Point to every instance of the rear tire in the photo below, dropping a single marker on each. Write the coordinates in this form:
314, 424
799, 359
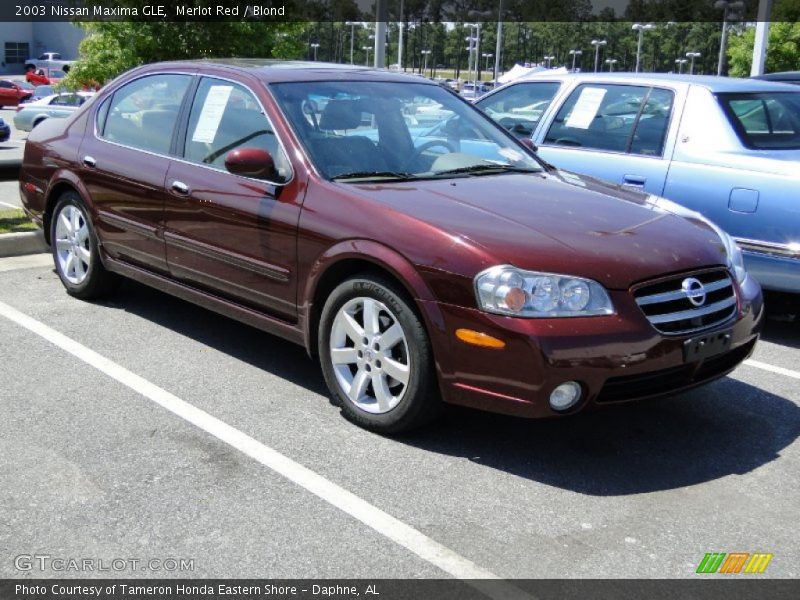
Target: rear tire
376, 357
75, 250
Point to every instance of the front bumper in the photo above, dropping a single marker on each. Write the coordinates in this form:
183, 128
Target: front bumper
615, 358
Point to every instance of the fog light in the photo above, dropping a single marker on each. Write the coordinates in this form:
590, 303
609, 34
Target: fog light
565, 396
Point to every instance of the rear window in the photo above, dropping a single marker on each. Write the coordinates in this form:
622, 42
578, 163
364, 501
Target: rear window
765, 120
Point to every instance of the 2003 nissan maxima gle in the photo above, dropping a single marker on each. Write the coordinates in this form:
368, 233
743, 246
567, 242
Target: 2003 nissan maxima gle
308, 201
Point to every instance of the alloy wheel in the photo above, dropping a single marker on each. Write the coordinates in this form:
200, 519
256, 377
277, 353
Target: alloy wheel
73, 247
369, 354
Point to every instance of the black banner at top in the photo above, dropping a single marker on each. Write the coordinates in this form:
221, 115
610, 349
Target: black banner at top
454, 11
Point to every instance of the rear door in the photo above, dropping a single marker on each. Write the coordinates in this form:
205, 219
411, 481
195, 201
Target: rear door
616, 132
125, 162
232, 235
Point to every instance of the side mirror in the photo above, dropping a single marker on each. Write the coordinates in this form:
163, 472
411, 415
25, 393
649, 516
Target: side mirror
251, 162
528, 143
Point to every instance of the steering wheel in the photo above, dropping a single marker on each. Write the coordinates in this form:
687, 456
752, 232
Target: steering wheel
567, 141
427, 146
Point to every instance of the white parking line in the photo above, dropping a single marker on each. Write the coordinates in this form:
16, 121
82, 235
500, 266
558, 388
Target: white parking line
772, 369
10, 205
406, 536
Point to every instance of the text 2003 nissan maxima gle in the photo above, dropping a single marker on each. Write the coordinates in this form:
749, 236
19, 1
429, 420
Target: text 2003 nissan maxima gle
308, 201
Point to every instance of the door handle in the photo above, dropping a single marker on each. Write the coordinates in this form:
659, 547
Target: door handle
634, 180
89, 161
180, 188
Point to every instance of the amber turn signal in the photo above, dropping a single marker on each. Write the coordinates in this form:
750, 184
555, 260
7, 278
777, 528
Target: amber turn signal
476, 338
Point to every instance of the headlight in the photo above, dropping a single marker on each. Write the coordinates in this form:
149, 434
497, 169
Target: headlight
507, 290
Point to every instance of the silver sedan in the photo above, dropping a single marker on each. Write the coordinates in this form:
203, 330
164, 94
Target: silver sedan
55, 106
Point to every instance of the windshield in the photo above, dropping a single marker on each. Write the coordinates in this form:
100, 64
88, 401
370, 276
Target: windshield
765, 120
357, 130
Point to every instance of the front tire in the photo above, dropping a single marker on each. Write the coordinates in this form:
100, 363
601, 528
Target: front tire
376, 357
75, 250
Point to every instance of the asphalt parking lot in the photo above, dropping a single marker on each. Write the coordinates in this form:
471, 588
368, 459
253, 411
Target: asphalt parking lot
142, 427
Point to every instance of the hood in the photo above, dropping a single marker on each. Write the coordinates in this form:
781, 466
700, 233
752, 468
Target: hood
559, 222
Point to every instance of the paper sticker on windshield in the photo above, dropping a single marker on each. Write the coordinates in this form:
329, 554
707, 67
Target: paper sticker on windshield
585, 109
211, 115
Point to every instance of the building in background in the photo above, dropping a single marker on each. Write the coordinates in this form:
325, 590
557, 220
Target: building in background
20, 41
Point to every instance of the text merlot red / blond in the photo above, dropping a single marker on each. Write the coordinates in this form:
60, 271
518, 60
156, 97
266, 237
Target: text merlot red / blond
55, 10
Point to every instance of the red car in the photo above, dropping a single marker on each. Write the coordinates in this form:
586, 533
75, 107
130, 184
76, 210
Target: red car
421, 264
12, 93
44, 76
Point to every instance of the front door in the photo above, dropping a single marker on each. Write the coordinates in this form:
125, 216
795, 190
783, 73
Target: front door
234, 236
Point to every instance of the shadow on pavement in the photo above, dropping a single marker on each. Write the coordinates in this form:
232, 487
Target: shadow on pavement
726, 428
782, 325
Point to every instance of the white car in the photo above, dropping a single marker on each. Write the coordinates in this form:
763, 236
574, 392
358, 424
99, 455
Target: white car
55, 106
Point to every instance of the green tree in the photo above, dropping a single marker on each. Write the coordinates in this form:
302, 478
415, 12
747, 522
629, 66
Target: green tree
783, 49
111, 48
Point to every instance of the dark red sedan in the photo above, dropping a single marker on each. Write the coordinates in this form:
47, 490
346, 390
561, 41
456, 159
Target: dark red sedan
393, 230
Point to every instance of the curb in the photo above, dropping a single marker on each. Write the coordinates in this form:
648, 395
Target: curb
18, 244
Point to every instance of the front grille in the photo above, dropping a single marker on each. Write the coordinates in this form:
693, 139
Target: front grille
656, 383
668, 307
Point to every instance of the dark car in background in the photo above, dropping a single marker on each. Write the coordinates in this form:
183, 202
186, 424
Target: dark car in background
294, 197
5, 130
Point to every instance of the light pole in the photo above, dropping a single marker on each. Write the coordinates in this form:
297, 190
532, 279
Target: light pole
367, 48
487, 56
499, 45
597, 44
729, 9
400, 39
352, 25
474, 40
641, 29
611, 62
691, 56
549, 60
315, 46
680, 62
425, 53
575, 54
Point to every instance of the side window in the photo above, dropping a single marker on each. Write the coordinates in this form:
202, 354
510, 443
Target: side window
143, 113
651, 130
67, 100
226, 116
601, 117
518, 108
6, 84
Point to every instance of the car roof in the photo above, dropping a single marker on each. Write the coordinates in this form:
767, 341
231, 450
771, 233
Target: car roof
783, 76
274, 70
711, 82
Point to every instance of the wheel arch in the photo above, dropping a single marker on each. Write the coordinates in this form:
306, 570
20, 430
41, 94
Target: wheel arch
61, 183
351, 257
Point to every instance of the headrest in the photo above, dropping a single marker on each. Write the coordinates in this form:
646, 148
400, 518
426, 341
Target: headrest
341, 114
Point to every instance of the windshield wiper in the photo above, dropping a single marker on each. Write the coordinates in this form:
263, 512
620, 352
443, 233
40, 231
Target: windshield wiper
375, 175
486, 169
